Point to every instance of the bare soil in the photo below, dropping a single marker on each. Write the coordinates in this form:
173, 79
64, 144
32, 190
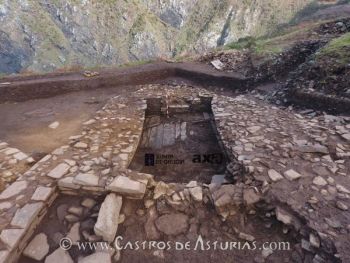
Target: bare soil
25, 125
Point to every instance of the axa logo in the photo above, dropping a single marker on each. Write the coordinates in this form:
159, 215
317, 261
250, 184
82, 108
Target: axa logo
216, 158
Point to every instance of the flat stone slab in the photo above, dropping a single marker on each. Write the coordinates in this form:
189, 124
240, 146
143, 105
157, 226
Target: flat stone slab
87, 179
107, 221
13, 189
42, 193
81, 145
68, 183
59, 256
11, 151
20, 156
37, 248
26, 214
59, 171
97, 257
124, 185
11, 237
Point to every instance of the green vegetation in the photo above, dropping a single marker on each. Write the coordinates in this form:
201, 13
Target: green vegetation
136, 63
275, 42
260, 46
338, 48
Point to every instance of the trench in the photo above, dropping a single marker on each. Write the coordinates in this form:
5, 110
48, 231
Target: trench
179, 141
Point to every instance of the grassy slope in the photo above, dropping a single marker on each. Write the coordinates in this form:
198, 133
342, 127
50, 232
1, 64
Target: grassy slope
338, 49
285, 36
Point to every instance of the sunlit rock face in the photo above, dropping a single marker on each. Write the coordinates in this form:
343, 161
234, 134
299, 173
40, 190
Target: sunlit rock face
46, 35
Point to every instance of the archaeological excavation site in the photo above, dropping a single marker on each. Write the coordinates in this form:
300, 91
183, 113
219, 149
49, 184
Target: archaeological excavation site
175, 131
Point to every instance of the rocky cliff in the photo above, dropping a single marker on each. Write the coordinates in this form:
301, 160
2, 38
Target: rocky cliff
43, 35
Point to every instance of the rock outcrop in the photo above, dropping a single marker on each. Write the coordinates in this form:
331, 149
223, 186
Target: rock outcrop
46, 35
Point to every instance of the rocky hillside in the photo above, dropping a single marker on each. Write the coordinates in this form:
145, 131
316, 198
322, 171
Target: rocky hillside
43, 35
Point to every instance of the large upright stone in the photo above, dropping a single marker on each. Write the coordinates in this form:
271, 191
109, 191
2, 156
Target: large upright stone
107, 221
26, 214
37, 248
124, 185
59, 171
13, 189
59, 256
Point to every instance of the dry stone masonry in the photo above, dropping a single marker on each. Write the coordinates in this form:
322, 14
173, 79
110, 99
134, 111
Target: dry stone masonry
289, 169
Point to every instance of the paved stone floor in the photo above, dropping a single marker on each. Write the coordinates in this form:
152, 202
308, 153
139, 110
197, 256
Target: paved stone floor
294, 182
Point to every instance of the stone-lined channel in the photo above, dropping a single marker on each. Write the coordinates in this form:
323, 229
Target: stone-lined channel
180, 142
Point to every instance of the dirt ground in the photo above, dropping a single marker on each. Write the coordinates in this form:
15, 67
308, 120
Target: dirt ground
25, 125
